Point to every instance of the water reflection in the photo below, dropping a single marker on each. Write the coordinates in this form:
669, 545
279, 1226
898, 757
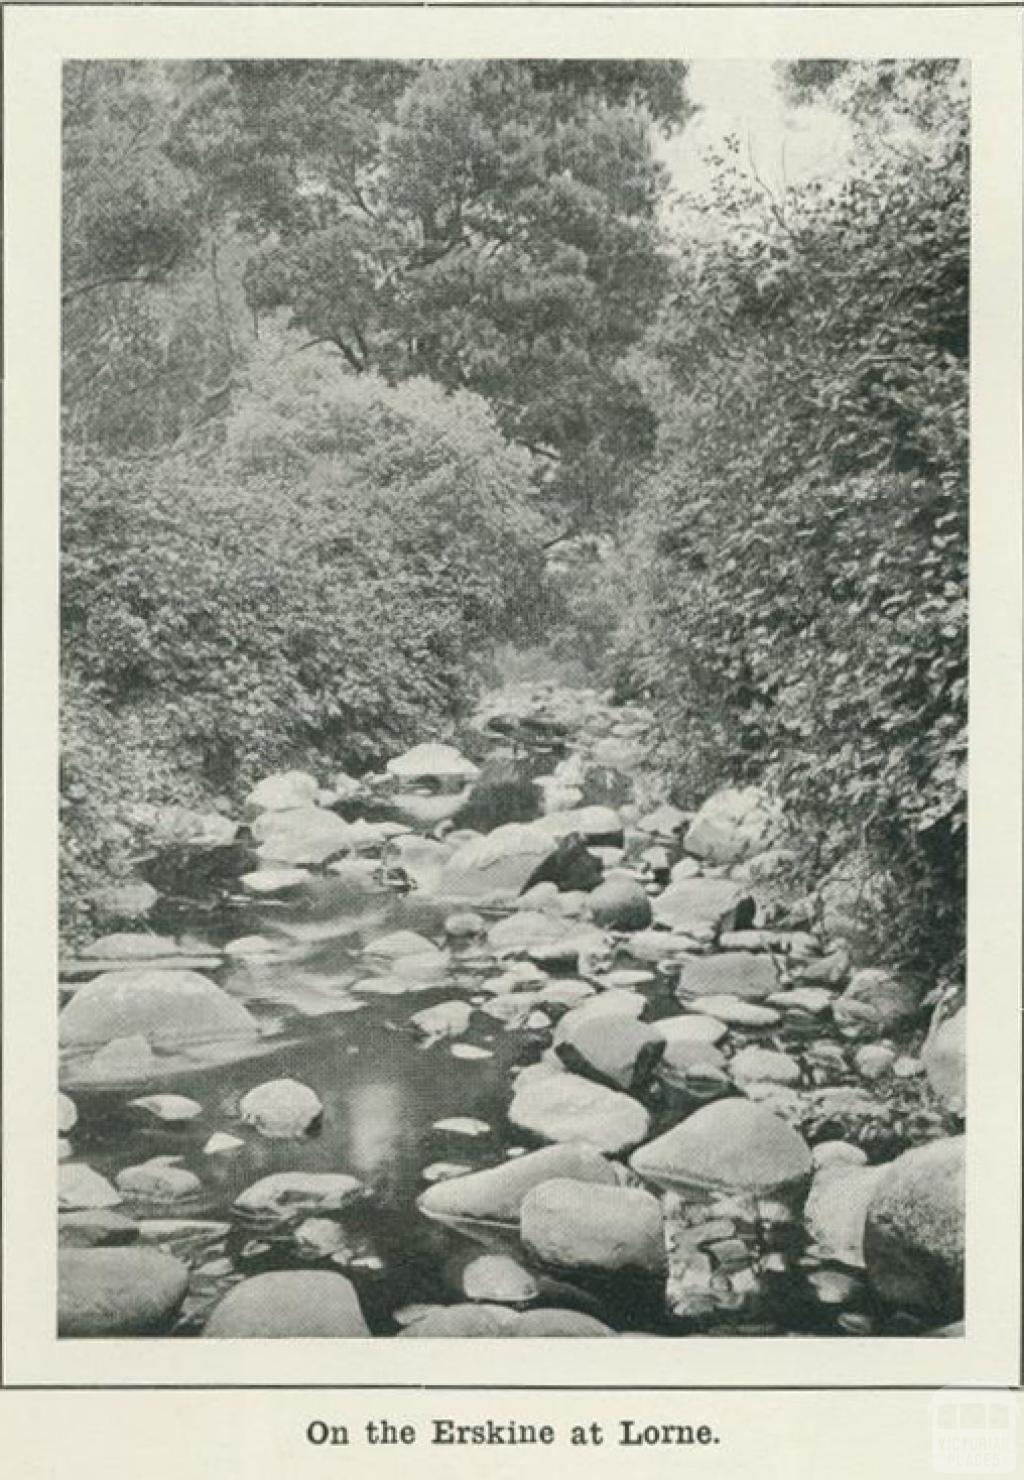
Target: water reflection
377, 1124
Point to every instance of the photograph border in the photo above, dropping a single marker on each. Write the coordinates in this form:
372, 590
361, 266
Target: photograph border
22, 667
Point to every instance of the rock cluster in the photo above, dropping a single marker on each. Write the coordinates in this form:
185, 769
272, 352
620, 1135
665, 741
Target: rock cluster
668, 1077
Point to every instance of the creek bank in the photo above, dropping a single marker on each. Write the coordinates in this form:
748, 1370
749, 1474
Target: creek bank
478, 1025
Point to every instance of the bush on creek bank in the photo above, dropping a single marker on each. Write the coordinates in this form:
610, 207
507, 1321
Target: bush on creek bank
320, 590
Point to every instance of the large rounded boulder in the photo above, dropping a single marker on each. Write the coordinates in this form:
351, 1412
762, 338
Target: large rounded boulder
914, 1232
945, 1062
286, 1303
732, 826
172, 1010
731, 1145
495, 1194
566, 1107
569, 1226
118, 1291
620, 904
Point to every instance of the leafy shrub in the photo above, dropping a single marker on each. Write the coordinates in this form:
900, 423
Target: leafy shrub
805, 619
320, 595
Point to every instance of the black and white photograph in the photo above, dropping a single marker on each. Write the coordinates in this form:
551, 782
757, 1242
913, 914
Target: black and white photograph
513, 698
512, 740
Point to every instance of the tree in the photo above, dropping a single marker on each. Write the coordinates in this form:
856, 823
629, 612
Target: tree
492, 226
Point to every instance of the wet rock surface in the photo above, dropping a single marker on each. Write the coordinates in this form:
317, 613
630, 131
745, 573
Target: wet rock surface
500, 1043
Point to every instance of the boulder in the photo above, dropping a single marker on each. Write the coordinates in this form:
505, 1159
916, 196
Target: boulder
160, 1179
566, 1107
569, 1226
945, 1062
829, 1155
740, 974
267, 882
684, 1056
281, 1109
182, 828
875, 1002
402, 943
169, 1009
810, 1001
690, 1027
729, 1145
524, 930
836, 1210
737, 1014
733, 825
172, 1109
79, 1186
831, 970
620, 904
495, 1194
914, 1232
123, 901
874, 1061
121, 1060
701, 907
615, 1002
444, 1019
500, 865
613, 1050
433, 762
126, 945
289, 1196
764, 1066
118, 1291
464, 925
283, 791
221, 1143
498, 1279
289, 1303
305, 837
653, 946
96, 1229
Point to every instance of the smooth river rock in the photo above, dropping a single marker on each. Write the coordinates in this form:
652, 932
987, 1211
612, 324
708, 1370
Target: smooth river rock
945, 1062
740, 974
281, 1109
118, 1291
296, 1303
620, 904
170, 1009
729, 1145
616, 1051
566, 1107
569, 1226
914, 1232
733, 825
495, 1194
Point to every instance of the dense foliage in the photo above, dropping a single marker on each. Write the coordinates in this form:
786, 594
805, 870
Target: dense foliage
369, 366
805, 621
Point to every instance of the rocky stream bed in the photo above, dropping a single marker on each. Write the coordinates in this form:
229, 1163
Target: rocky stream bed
502, 1046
